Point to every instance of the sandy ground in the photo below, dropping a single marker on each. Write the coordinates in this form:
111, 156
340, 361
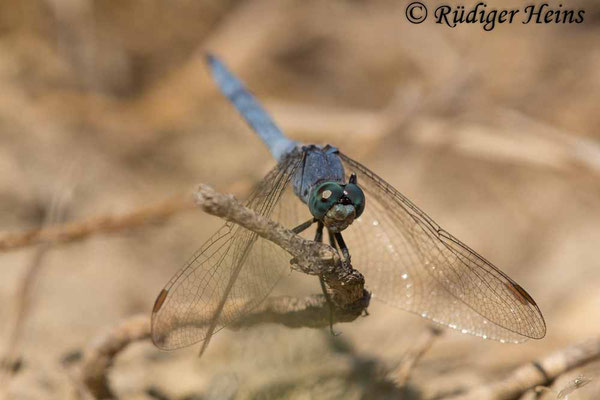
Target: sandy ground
106, 107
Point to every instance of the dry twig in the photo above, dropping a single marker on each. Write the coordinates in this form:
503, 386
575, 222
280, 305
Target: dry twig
345, 283
402, 372
100, 355
103, 224
54, 213
536, 373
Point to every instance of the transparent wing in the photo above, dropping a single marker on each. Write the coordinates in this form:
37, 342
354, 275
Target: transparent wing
410, 262
231, 273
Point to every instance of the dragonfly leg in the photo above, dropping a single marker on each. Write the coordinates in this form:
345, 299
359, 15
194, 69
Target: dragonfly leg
319, 233
343, 247
319, 238
346, 253
303, 226
332, 242
328, 298
299, 229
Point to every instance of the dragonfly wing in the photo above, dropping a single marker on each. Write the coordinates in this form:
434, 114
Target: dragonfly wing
230, 274
410, 262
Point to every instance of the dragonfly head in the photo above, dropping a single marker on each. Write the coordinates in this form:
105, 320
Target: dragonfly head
336, 204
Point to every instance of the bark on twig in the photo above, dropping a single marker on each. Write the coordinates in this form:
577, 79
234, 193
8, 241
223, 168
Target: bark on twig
537, 373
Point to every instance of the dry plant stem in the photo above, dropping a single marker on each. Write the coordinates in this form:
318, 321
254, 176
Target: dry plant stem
530, 375
23, 294
54, 213
422, 346
82, 392
99, 356
345, 284
103, 224
529, 395
23, 299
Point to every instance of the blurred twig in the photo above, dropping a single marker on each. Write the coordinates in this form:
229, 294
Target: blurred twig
75, 36
548, 393
99, 356
536, 373
102, 224
11, 355
22, 297
402, 372
55, 213
576, 148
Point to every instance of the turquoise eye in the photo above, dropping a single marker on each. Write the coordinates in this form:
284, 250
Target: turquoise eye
324, 197
356, 196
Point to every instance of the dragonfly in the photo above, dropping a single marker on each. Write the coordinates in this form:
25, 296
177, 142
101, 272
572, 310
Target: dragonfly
407, 259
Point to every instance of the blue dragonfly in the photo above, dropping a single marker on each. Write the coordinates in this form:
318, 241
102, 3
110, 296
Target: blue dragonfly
408, 260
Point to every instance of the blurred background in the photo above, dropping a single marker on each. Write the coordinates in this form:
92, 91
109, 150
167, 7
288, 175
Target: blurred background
107, 107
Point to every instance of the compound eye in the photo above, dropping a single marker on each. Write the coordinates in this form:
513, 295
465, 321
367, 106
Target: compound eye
356, 196
324, 197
